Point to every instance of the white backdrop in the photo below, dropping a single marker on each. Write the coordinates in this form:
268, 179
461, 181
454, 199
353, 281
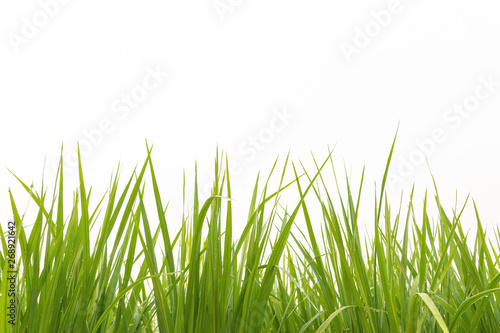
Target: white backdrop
256, 78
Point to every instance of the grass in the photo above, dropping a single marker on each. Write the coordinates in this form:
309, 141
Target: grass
138, 276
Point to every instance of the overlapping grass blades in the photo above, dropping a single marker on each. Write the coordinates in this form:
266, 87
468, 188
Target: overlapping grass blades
413, 275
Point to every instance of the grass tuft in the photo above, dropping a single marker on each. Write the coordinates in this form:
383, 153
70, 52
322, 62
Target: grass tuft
273, 277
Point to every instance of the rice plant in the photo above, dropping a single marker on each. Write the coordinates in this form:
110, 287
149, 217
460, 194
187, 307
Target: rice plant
410, 275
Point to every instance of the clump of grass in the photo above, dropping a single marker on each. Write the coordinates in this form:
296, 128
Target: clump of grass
210, 280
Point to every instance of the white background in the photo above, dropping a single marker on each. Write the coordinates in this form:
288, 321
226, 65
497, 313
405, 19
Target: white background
232, 65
